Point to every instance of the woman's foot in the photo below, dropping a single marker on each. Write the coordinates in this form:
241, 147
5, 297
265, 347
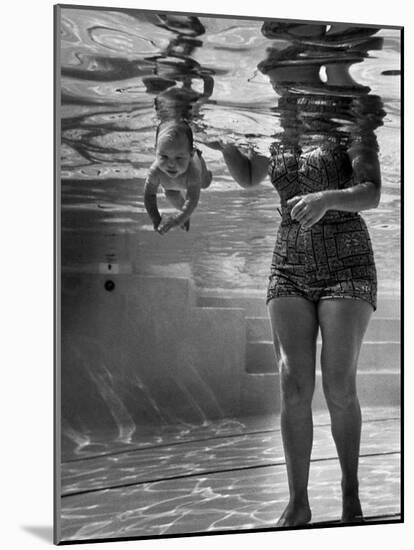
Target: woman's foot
351, 509
295, 515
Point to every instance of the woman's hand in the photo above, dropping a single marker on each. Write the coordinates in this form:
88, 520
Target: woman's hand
216, 144
308, 209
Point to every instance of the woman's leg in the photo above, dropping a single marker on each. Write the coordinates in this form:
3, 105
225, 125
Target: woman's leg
295, 328
343, 324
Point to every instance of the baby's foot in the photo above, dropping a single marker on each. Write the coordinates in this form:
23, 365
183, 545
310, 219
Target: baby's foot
186, 225
295, 515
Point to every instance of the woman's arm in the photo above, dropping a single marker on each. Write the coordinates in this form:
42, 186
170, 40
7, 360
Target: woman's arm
309, 209
362, 196
367, 192
247, 170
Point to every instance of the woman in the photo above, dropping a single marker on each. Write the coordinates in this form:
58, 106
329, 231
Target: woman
323, 273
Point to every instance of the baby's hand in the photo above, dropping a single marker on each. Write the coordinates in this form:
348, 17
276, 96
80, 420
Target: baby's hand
164, 227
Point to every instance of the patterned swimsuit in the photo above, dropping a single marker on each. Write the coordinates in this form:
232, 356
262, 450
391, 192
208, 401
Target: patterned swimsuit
333, 258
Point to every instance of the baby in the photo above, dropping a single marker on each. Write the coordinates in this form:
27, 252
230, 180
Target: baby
180, 170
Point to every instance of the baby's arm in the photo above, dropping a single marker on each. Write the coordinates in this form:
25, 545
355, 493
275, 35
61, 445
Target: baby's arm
150, 198
190, 203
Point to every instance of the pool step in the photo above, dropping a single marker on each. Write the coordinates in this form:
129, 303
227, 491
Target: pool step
261, 394
260, 357
255, 305
379, 364
379, 329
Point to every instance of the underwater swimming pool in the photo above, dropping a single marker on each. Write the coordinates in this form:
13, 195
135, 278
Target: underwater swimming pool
113, 66
169, 391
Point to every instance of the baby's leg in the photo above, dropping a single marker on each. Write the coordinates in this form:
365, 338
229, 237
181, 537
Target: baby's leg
206, 175
177, 200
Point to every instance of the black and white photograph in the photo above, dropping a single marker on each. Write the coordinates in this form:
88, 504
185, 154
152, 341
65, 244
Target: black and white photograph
228, 229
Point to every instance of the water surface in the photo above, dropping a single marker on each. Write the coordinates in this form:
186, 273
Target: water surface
113, 66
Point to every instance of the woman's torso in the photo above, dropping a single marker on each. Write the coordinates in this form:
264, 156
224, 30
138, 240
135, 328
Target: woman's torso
294, 171
338, 247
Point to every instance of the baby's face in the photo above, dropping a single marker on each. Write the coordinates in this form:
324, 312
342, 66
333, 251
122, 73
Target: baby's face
173, 156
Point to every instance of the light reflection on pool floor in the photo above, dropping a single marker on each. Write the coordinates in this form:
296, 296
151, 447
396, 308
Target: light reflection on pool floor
207, 481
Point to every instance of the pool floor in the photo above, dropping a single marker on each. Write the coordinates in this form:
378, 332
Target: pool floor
221, 478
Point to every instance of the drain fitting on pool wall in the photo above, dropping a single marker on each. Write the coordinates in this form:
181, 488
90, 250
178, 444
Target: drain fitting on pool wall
109, 285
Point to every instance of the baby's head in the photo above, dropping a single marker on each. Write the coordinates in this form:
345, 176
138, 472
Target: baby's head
174, 147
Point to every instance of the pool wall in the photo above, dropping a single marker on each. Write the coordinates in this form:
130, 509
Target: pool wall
144, 351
